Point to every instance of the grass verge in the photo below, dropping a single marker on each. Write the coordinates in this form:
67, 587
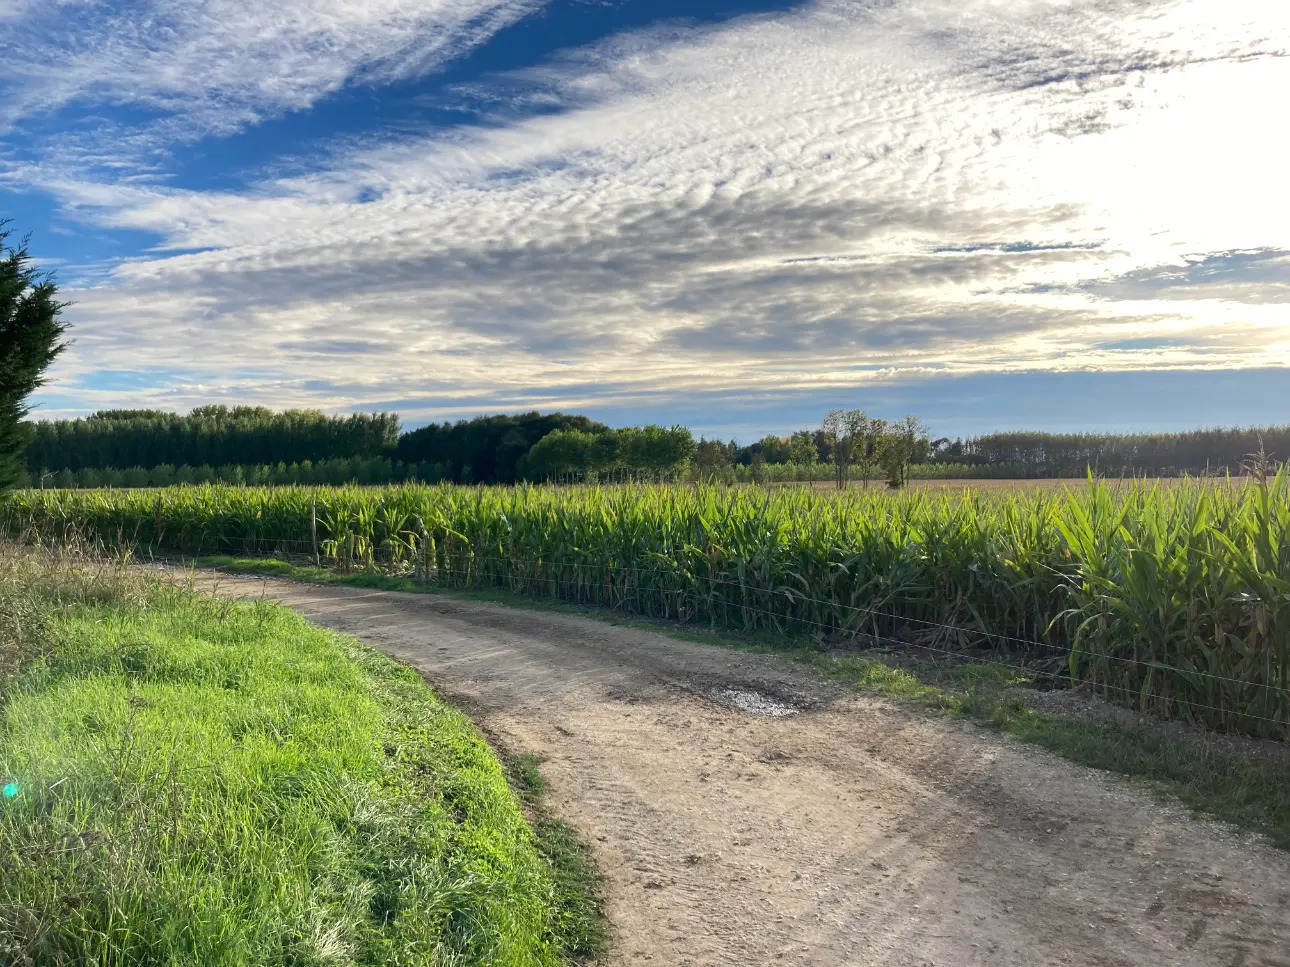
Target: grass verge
1242, 782
574, 875
192, 781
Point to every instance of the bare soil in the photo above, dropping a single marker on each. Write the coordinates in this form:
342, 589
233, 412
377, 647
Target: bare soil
851, 831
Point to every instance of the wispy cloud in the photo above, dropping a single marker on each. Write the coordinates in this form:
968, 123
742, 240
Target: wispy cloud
1255, 277
191, 68
812, 199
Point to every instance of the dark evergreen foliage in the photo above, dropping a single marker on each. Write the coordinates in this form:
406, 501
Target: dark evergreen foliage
31, 337
210, 435
487, 449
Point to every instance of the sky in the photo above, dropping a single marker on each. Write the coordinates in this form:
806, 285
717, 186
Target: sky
732, 214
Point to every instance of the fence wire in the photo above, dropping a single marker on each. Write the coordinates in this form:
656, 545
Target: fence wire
470, 561
1023, 671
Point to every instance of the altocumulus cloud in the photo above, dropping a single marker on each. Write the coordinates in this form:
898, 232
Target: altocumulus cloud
830, 195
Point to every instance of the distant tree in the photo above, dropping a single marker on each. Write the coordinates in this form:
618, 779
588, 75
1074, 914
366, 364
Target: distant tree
136, 414
870, 433
653, 450
31, 337
561, 453
606, 451
775, 449
209, 434
511, 448
904, 442
945, 450
487, 449
712, 460
656, 449
801, 448
1035, 454
844, 432
835, 437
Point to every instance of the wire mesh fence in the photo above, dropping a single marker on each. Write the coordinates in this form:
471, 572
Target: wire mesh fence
1177, 600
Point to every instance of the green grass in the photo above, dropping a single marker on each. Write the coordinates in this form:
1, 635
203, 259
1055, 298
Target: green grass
1216, 779
576, 880
275, 567
204, 782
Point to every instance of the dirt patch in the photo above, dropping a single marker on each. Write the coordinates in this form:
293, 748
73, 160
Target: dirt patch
850, 832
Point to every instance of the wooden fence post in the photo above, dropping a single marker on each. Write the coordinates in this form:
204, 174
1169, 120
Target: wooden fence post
313, 530
421, 565
159, 525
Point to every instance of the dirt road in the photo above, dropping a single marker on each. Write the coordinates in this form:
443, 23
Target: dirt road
848, 832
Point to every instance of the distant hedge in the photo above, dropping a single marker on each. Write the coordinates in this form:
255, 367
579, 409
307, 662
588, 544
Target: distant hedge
210, 435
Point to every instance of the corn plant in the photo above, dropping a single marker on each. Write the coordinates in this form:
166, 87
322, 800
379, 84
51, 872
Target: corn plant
1175, 598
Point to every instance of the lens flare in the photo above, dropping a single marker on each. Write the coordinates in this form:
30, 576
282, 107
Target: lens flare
11, 790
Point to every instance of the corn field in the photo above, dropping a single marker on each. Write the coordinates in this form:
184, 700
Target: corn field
1173, 599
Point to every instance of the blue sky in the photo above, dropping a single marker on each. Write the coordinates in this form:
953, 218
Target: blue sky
1036, 213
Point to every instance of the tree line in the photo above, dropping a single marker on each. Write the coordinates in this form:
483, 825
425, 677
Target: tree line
487, 449
209, 435
332, 473
649, 452
255, 445
1212, 450
851, 444
856, 446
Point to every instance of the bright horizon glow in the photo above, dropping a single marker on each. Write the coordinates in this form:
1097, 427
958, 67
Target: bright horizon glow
449, 208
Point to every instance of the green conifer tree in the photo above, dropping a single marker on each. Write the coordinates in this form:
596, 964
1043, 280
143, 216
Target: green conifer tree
30, 339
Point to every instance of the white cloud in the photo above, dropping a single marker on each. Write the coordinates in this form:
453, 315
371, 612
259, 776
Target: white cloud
215, 65
804, 200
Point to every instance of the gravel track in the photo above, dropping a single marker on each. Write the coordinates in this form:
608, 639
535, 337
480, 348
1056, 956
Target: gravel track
851, 831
